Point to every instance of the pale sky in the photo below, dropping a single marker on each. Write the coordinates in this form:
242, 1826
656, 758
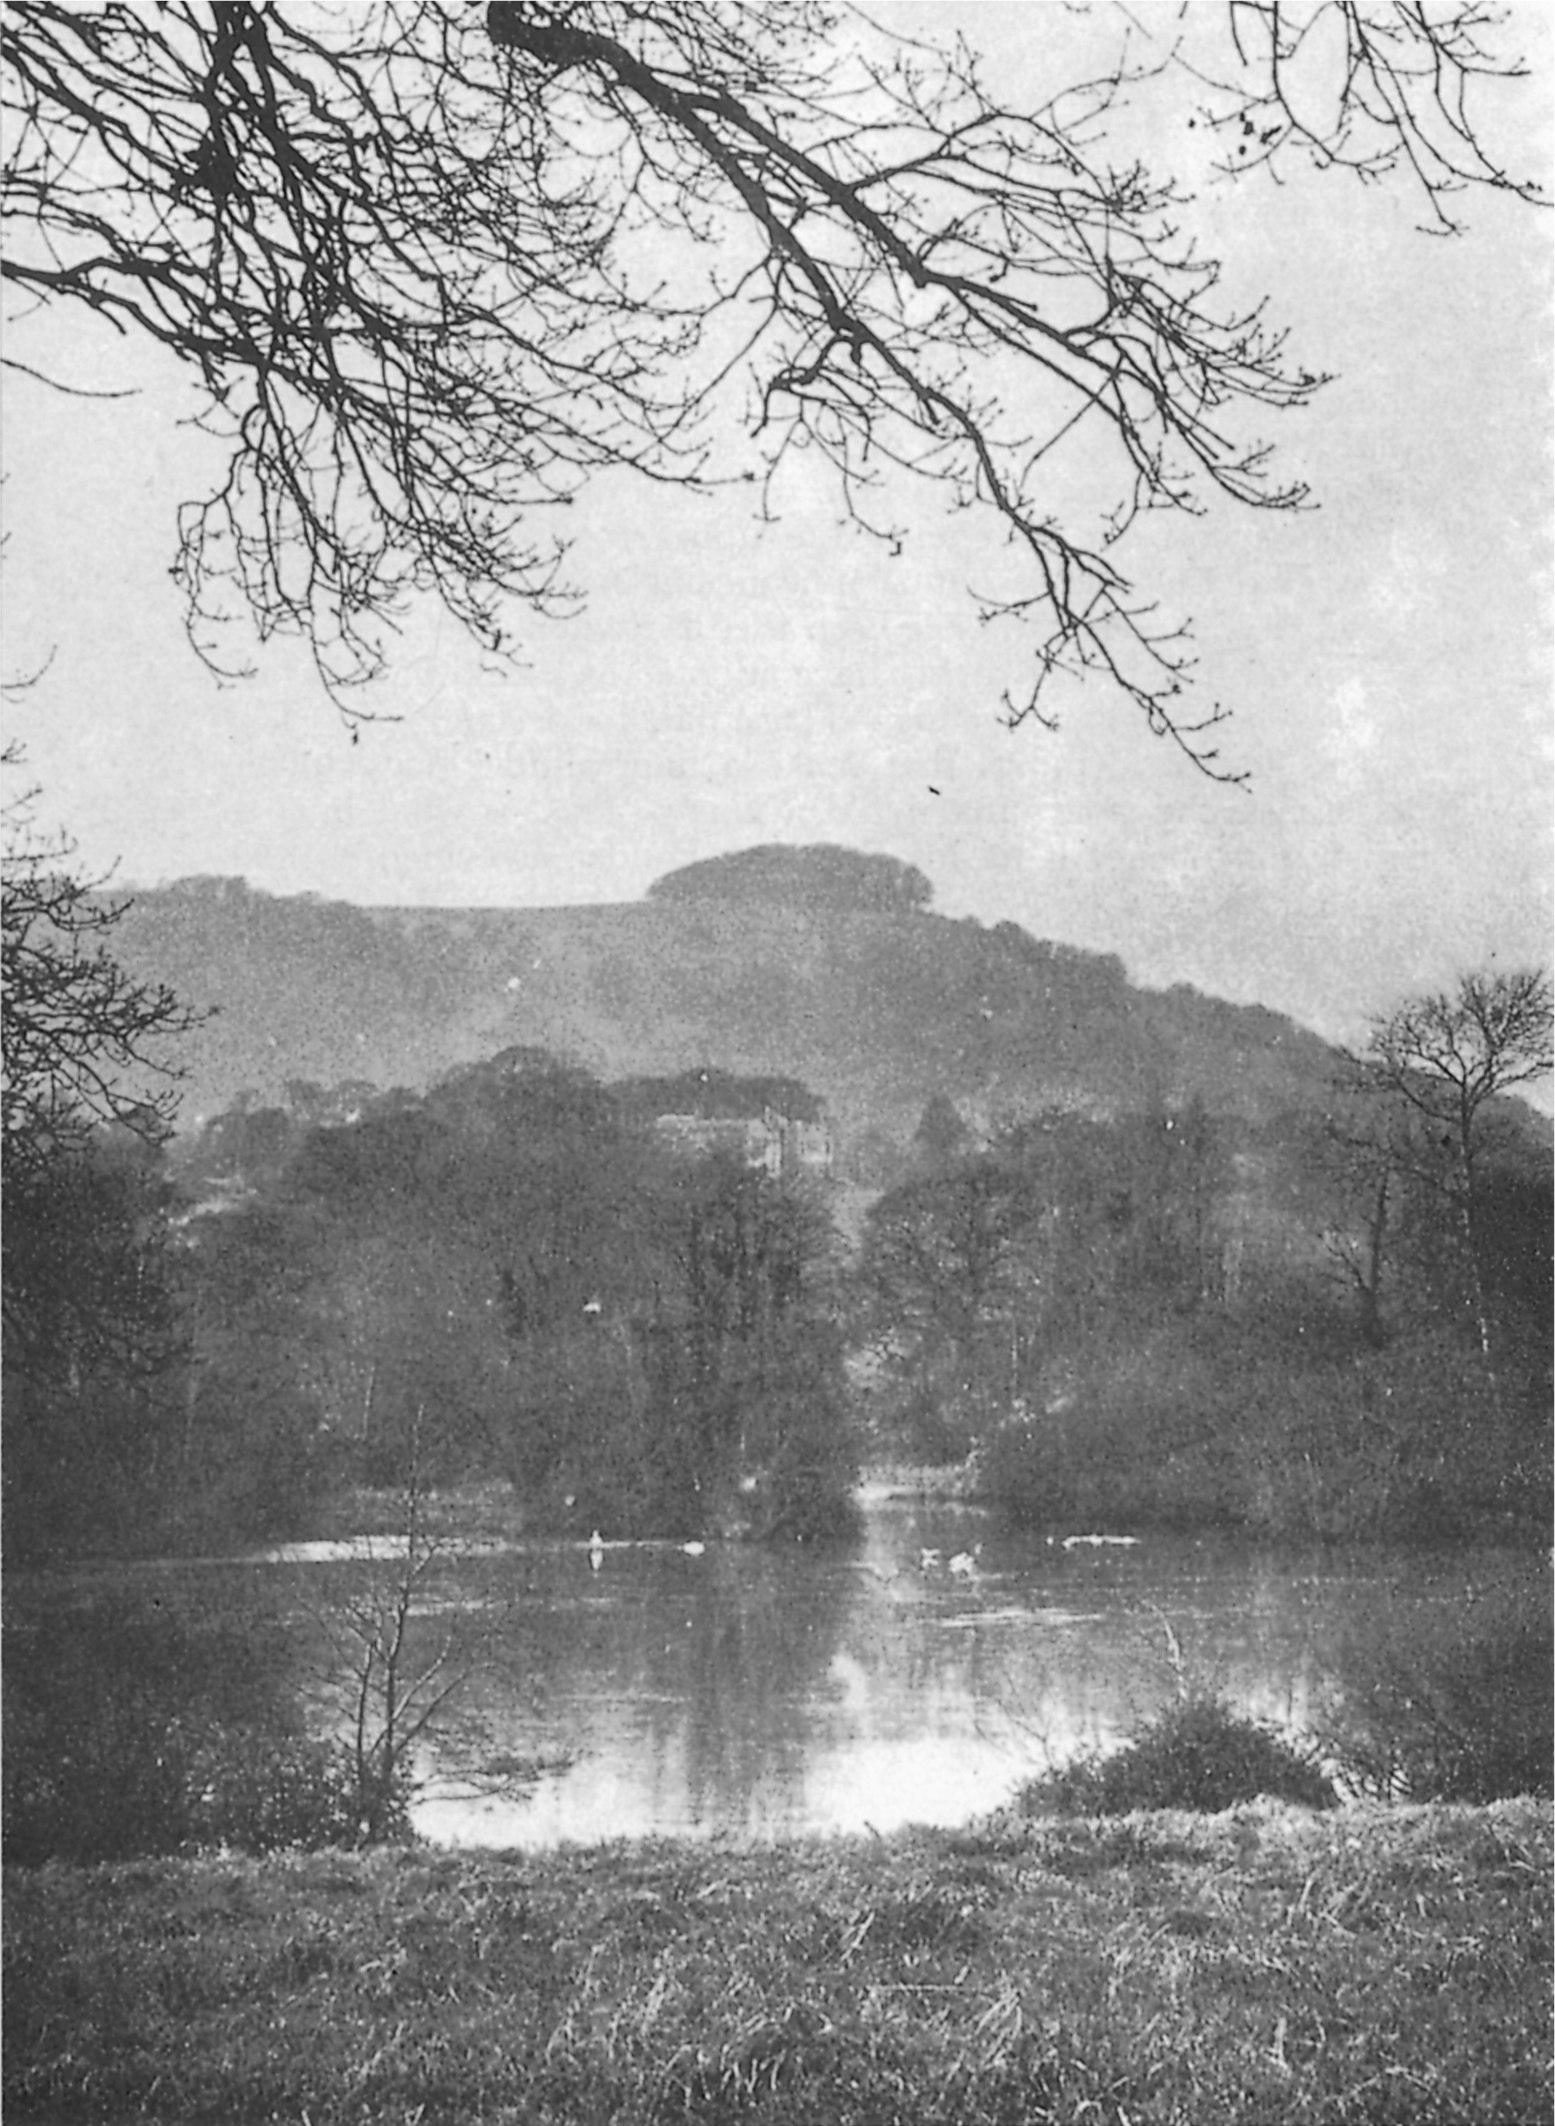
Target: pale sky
1387, 657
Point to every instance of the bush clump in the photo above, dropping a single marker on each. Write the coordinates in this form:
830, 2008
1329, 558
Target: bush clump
1197, 1755
185, 1789
1462, 1710
135, 1730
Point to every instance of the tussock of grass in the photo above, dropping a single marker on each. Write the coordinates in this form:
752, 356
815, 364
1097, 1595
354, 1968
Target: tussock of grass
1259, 1966
1199, 1755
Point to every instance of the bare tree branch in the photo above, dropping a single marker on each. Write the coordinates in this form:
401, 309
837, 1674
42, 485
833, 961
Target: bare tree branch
1446, 1058
434, 267
81, 1039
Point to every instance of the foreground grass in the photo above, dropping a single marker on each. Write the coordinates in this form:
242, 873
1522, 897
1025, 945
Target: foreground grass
1260, 1966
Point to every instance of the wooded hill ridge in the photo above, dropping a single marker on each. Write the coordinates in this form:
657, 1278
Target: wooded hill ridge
1129, 1259
819, 964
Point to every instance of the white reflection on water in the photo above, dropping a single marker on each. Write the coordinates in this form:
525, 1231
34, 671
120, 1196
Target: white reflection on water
867, 1783
769, 1693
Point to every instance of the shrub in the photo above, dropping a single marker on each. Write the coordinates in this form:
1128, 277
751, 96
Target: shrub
264, 1793
1465, 1714
1196, 1755
132, 1793
133, 1731
1201, 1422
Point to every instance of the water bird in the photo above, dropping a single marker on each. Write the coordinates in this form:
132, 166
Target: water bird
596, 1550
928, 1560
964, 1563
694, 1550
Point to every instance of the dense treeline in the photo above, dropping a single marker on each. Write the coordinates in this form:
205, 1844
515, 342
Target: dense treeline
1173, 1318
513, 1269
1297, 1328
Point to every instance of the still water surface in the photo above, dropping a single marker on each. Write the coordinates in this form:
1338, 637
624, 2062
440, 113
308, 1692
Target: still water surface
769, 1693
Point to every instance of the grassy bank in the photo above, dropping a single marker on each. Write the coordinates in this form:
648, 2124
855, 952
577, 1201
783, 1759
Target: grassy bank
1261, 1966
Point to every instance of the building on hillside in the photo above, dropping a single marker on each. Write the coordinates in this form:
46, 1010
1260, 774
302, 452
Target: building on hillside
774, 1143
808, 1147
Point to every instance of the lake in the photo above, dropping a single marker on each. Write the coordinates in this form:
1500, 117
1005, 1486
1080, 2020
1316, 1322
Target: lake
918, 1674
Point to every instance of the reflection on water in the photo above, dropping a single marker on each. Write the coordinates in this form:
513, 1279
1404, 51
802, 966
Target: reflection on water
771, 1693
919, 1674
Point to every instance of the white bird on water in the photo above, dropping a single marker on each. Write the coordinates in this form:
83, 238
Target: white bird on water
964, 1563
694, 1550
596, 1551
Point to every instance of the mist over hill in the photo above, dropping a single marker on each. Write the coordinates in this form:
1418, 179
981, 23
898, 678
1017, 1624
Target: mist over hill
822, 965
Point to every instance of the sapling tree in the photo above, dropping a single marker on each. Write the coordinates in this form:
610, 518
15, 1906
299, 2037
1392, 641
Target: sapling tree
393, 1680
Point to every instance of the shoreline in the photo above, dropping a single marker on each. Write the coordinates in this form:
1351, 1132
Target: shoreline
488, 1513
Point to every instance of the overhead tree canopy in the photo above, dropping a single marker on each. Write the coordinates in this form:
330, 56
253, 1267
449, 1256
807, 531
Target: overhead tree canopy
434, 266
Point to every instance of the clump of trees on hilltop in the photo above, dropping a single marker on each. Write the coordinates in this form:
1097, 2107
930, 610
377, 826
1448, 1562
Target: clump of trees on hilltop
822, 876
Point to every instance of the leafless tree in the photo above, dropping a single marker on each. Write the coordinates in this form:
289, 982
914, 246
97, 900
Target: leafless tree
1446, 1058
1374, 1154
433, 266
82, 1040
400, 1657
388, 1694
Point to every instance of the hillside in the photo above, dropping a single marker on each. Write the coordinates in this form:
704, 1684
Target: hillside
875, 1010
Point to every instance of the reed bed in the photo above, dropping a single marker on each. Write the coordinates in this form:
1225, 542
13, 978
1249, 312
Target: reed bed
1362, 1967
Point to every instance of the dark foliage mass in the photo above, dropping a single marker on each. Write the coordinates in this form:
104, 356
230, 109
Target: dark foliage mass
1318, 1326
90, 1083
517, 1273
1460, 1710
1143, 1319
822, 877
1197, 1755
138, 1728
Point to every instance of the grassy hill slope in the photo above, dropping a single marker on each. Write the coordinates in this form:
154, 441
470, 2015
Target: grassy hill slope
875, 1011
